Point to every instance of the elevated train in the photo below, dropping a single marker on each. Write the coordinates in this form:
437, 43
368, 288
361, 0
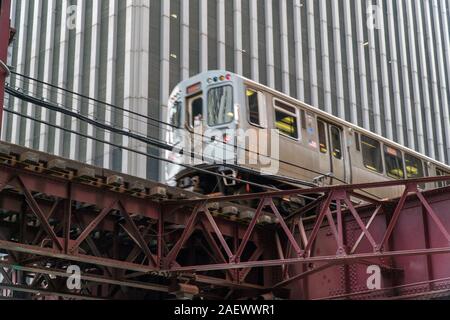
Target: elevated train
315, 148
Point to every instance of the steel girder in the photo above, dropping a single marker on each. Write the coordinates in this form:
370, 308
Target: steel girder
126, 241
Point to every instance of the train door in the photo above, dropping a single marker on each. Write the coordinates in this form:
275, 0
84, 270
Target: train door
194, 121
332, 152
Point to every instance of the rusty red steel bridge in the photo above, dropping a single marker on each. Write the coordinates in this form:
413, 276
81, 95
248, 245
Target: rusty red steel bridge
137, 239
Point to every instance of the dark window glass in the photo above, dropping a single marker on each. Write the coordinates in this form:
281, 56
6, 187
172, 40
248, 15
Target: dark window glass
196, 112
414, 167
394, 163
322, 137
220, 106
285, 121
253, 107
371, 150
336, 142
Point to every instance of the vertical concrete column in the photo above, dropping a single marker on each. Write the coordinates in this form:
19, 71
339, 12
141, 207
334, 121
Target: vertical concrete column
284, 48
350, 62
221, 47
94, 70
270, 60
328, 102
425, 80
77, 78
110, 77
48, 72
62, 75
203, 34
415, 75
300, 81
20, 67
362, 46
254, 46
184, 64
407, 106
34, 71
314, 87
338, 59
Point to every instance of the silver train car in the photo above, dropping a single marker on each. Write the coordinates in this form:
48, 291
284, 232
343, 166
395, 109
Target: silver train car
313, 147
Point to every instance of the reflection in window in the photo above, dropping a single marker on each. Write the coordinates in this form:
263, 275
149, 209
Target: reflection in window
336, 143
196, 112
220, 106
253, 107
322, 137
414, 167
286, 120
394, 163
175, 115
371, 150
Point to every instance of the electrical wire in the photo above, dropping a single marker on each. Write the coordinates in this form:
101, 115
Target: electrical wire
163, 123
141, 153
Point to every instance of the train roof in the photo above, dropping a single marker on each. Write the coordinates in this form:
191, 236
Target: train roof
203, 75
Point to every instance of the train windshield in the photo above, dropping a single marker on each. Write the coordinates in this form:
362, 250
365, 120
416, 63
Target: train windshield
220, 106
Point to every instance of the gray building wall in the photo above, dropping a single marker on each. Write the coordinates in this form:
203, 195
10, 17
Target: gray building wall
380, 64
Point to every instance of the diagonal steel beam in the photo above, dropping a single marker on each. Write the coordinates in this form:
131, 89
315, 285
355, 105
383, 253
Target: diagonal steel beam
138, 236
39, 213
171, 257
92, 226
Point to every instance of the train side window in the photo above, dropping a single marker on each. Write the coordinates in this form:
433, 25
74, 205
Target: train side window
256, 104
414, 167
371, 151
336, 143
253, 107
286, 120
441, 173
394, 163
322, 137
195, 110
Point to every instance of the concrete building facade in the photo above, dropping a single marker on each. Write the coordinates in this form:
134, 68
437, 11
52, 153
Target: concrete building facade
381, 64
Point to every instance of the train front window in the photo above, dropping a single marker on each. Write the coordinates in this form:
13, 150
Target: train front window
394, 163
195, 110
371, 151
220, 106
414, 167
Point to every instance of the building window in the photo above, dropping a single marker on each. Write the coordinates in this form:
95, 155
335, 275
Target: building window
371, 150
220, 106
286, 120
394, 163
253, 107
336, 142
322, 137
414, 167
